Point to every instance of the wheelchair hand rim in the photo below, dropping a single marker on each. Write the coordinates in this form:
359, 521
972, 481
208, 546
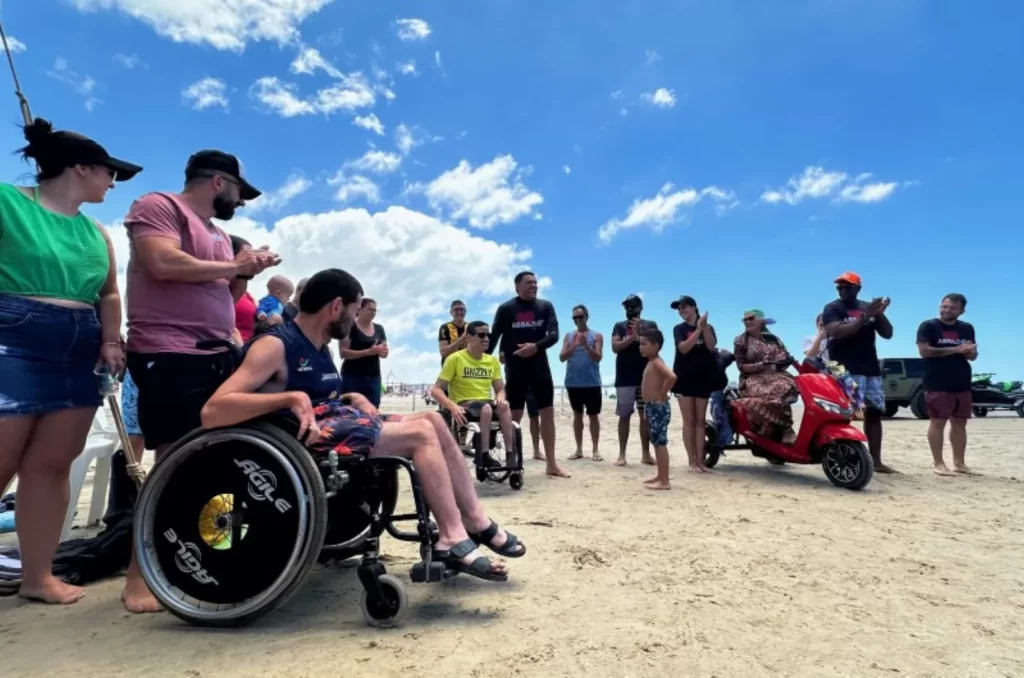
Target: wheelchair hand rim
143, 532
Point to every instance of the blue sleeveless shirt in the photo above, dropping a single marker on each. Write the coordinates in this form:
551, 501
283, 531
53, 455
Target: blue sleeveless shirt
309, 369
580, 370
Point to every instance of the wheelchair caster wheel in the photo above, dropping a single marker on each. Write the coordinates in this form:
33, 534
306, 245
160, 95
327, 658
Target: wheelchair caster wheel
389, 610
481, 475
515, 481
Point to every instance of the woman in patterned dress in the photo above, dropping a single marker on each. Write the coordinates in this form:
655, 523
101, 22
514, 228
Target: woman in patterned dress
767, 391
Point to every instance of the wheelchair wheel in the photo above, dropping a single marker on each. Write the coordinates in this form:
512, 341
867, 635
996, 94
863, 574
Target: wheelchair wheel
348, 519
499, 457
515, 481
217, 505
388, 611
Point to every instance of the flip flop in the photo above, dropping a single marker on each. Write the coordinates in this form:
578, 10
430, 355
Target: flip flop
508, 549
479, 568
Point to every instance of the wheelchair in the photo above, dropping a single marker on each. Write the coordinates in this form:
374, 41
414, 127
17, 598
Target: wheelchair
230, 522
494, 465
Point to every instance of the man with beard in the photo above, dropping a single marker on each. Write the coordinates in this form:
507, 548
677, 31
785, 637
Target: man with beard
290, 370
524, 328
947, 345
629, 372
183, 282
852, 325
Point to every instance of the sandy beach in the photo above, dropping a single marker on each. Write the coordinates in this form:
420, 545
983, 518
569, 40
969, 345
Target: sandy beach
754, 570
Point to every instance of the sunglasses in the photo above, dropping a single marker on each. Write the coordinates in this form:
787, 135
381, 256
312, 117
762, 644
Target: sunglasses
749, 319
483, 335
458, 310
579, 317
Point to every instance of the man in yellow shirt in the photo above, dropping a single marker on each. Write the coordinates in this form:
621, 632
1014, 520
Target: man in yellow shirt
468, 376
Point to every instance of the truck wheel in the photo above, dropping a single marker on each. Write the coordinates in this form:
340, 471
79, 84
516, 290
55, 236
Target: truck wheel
980, 412
891, 409
1019, 408
918, 405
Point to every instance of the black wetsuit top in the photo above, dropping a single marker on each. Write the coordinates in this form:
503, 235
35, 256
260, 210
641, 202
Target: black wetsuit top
525, 322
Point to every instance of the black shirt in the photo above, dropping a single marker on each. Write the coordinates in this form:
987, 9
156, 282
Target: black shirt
445, 334
290, 311
949, 373
700, 361
368, 366
857, 353
525, 322
629, 364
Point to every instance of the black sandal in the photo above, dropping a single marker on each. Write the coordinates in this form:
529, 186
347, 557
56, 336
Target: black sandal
508, 549
480, 567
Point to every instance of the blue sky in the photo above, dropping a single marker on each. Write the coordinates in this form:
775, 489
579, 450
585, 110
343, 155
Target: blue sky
743, 153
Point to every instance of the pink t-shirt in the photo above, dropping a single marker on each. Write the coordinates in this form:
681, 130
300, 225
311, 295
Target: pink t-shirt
170, 317
245, 316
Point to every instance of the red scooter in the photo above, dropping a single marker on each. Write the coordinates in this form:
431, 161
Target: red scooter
825, 434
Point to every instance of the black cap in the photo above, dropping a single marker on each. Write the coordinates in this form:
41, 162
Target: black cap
632, 300
684, 301
209, 161
76, 149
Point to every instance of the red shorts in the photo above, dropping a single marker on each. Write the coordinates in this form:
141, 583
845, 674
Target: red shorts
947, 405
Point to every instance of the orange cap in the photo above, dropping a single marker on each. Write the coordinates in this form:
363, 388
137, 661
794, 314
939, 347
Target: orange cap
849, 277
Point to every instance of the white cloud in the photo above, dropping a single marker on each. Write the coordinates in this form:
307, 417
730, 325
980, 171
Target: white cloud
407, 68
271, 201
617, 94
437, 59
225, 25
370, 122
566, 169
412, 29
129, 61
352, 188
206, 93
486, 196
623, 112
349, 93
404, 139
651, 57
378, 162
817, 183
16, 46
662, 209
83, 85
309, 60
661, 97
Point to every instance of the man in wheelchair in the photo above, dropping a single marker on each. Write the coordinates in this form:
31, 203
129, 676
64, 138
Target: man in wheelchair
464, 389
290, 371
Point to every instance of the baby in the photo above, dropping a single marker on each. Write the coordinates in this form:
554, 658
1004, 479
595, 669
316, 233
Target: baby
658, 380
270, 310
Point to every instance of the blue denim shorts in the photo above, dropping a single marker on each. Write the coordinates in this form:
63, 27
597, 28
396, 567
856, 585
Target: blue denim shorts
47, 357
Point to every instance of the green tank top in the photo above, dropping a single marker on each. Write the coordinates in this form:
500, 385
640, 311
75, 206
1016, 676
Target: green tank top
45, 254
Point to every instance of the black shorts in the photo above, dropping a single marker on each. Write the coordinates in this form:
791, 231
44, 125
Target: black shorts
173, 387
585, 397
518, 389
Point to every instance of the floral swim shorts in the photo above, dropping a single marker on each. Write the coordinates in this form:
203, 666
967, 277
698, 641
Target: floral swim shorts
346, 430
658, 416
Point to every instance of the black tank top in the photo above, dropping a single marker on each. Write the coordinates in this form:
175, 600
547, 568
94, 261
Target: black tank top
309, 369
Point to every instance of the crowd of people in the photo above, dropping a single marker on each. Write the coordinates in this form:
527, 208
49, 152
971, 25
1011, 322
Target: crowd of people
187, 282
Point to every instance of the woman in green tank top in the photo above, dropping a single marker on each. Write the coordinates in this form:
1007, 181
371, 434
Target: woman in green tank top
60, 324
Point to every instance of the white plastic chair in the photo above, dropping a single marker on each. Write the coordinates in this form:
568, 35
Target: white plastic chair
99, 446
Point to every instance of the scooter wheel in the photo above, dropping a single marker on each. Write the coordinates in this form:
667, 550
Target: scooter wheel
847, 464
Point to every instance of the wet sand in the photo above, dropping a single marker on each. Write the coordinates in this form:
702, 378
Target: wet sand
754, 570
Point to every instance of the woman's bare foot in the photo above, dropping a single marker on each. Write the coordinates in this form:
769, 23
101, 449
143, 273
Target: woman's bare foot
138, 599
882, 468
621, 461
962, 468
694, 467
539, 457
942, 470
704, 469
658, 485
649, 460
52, 591
556, 472
597, 457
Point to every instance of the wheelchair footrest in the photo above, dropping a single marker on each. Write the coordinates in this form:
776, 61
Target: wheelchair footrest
422, 574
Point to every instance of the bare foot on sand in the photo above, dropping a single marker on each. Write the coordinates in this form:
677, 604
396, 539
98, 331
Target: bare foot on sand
539, 457
138, 599
659, 485
942, 470
52, 591
694, 467
557, 472
621, 461
962, 468
647, 460
882, 468
597, 457
578, 454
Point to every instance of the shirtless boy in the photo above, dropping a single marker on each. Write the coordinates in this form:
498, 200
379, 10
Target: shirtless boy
657, 382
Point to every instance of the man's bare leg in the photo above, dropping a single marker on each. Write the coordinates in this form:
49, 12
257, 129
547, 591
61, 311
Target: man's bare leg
417, 438
136, 596
624, 423
873, 431
958, 441
534, 436
595, 435
483, 447
577, 432
547, 431
936, 427
645, 441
